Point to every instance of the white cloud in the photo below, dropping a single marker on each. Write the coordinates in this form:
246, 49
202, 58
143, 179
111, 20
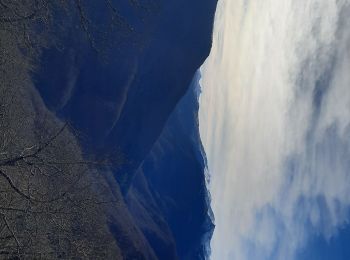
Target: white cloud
275, 124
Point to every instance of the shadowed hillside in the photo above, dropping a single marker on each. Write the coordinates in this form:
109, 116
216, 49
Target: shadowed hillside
87, 90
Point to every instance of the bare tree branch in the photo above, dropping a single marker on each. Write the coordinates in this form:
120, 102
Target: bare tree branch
11, 231
14, 187
37, 150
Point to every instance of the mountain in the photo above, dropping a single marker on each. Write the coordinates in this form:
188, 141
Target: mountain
175, 173
124, 79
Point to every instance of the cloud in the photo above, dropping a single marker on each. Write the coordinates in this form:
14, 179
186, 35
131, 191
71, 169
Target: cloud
275, 124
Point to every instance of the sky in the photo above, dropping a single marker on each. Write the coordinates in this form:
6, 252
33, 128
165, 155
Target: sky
275, 124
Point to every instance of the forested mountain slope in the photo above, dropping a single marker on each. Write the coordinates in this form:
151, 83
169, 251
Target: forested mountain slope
86, 91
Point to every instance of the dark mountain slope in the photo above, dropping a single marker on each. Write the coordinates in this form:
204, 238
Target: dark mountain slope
52, 205
120, 94
125, 101
174, 170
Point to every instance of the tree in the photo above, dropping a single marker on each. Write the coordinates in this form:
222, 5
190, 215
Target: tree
30, 22
51, 198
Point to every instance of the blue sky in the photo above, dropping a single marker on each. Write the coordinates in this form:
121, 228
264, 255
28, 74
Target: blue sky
338, 247
275, 124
